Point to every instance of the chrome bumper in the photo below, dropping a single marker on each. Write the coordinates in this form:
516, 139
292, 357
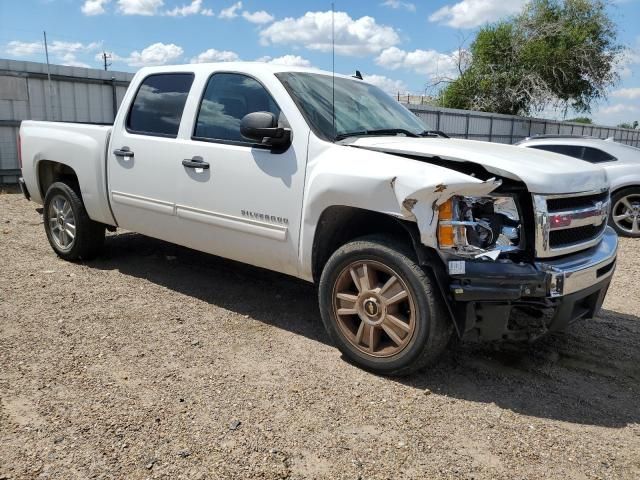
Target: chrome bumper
582, 270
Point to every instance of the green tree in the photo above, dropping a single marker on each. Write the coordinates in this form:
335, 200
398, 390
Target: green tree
556, 53
586, 120
630, 125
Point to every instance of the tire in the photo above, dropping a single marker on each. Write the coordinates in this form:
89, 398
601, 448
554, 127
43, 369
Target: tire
625, 212
64, 210
364, 337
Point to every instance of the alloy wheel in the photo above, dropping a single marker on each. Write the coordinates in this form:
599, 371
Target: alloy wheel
375, 309
626, 214
62, 223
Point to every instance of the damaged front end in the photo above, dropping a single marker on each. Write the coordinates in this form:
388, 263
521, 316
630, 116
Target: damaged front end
479, 227
426, 205
482, 233
475, 220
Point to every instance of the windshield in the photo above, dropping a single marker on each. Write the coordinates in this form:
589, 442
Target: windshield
360, 108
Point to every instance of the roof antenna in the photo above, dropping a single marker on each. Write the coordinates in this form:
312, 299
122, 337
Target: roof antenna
333, 71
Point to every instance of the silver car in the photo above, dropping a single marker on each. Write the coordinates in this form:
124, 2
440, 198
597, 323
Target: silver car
622, 163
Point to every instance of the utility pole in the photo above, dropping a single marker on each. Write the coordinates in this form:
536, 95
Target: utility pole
106, 56
51, 98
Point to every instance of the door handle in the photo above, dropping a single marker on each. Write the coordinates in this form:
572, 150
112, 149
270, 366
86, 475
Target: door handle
123, 152
195, 162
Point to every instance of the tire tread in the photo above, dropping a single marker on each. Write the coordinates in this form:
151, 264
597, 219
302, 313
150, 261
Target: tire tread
89, 234
441, 327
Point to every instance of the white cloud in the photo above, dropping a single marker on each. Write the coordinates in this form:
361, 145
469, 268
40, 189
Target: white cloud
619, 108
207, 12
72, 47
473, 13
24, 49
628, 93
139, 7
427, 62
387, 84
231, 12
313, 30
64, 53
16, 48
288, 60
628, 58
192, 9
618, 112
70, 60
396, 4
94, 7
156, 54
112, 57
213, 55
259, 17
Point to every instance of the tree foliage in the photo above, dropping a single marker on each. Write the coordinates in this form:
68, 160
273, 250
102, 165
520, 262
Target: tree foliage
632, 125
556, 53
586, 120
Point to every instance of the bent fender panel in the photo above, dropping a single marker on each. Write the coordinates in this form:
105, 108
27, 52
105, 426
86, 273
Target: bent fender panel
408, 189
422, 204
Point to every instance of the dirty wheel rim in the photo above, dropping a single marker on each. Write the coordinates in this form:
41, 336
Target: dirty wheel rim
626, 214
374, 308
62, 223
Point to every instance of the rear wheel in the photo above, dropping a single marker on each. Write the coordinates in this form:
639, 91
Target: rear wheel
625, 212
380, 307
71, 233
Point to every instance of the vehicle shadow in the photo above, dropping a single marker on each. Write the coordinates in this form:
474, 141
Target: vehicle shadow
589, 376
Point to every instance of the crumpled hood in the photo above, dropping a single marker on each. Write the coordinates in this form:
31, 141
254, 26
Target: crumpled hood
541, 171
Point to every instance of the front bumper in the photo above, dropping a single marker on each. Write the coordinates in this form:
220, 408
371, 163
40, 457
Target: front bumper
503, 300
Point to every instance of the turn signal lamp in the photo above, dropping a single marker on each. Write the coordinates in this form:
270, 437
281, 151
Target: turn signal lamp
445, 232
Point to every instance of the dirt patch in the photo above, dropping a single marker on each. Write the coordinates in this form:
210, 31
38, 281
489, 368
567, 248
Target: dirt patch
155, 361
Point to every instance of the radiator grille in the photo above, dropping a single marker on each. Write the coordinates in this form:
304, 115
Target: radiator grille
567, 224
575, 203
574, 236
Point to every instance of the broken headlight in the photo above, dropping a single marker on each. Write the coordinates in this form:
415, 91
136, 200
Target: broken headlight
477, 226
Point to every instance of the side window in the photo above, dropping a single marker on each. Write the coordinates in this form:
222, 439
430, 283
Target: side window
157, 108
569, 150
595, 155
227, 98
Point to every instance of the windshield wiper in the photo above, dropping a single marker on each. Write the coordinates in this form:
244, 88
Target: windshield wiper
381, 131
434, 133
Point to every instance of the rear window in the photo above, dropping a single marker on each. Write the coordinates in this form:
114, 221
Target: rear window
595, 155
157, 108
569, 150
588, 154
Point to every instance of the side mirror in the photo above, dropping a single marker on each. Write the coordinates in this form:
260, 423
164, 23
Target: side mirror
262, 127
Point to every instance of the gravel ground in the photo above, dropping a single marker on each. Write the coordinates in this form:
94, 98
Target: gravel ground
155, 361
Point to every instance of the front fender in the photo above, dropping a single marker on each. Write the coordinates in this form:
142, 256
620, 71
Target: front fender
339, 175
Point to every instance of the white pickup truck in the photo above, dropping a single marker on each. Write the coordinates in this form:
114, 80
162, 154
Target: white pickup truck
412, 237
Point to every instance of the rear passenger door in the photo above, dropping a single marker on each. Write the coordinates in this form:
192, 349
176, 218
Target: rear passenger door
143, 161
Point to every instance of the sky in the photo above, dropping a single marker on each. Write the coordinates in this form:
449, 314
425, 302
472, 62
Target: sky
401, 46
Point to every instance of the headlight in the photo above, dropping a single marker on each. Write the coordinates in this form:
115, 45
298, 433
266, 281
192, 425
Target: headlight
476, 225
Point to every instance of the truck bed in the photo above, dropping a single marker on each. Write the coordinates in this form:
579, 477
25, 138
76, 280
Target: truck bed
81, 146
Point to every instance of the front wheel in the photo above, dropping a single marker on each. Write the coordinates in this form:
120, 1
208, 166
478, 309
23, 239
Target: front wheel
625, 212
381, 308
71, 233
